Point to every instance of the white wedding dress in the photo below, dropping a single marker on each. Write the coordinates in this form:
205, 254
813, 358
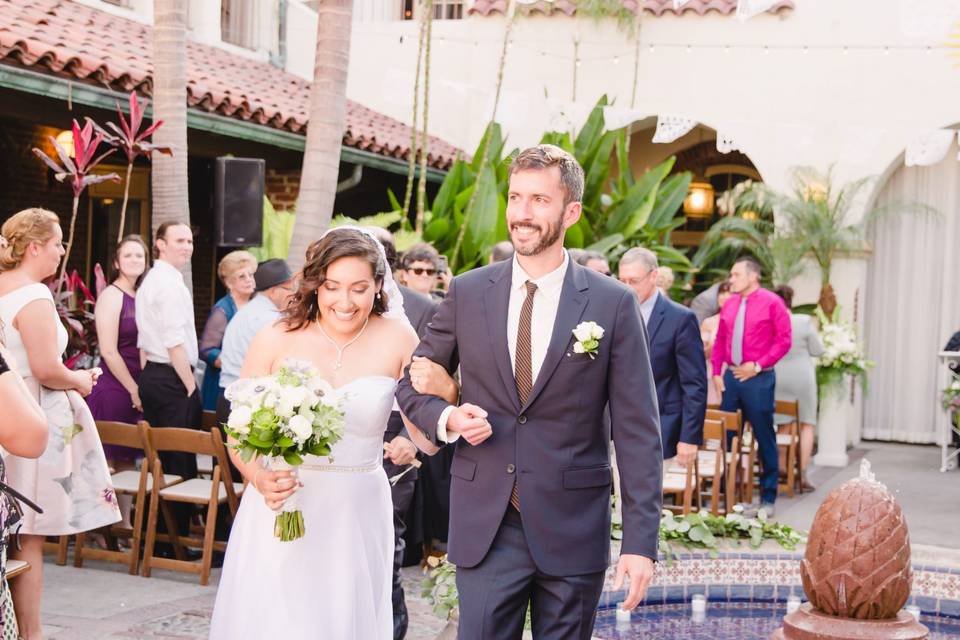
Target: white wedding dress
335, 582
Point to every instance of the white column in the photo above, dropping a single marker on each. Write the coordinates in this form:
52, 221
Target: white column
832, 425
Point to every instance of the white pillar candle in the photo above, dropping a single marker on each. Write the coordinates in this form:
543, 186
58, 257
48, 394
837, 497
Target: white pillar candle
699, 603
623, 615
793, 603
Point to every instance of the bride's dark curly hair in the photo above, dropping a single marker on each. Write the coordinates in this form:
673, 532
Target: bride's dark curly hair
339, 243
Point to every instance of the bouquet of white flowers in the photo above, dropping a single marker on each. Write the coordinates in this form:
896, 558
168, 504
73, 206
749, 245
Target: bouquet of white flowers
283, 417
843, 354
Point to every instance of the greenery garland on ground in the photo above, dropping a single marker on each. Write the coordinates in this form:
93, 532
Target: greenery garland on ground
694, 531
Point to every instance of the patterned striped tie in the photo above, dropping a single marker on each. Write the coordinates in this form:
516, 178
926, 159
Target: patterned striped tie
524, 365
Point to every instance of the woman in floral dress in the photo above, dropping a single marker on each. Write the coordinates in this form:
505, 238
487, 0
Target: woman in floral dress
70, 481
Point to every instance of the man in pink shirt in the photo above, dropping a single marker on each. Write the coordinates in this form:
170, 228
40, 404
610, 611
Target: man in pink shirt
754, 333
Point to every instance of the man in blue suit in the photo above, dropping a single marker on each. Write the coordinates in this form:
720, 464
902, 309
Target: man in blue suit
676, 357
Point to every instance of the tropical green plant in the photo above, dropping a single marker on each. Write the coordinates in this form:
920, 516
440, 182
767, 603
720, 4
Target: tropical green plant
133, 142
816, 216
78, 171
467, 216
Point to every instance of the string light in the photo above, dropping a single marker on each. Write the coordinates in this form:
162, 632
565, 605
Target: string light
534, 47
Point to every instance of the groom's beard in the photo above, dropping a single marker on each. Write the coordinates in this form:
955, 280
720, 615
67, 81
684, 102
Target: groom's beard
548, 237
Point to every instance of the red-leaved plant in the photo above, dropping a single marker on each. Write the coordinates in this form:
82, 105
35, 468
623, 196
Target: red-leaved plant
133, 142
86, 140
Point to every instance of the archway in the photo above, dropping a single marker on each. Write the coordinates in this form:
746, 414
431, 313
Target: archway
911, 305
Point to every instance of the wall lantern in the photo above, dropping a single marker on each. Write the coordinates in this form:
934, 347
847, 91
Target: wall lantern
65, 140
699, 200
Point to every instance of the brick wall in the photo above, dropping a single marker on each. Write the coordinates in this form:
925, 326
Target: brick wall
282, 188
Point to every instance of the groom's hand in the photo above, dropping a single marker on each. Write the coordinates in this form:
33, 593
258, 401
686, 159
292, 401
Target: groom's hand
470, 421
640, 570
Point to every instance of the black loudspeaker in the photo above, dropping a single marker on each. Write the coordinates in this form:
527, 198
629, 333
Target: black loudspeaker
238, 201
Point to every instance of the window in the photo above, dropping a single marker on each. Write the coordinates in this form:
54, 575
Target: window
442, 9
447, 9
239, 23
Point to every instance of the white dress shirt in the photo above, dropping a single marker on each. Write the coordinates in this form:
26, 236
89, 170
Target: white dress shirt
165, 315
546, 302
646, 307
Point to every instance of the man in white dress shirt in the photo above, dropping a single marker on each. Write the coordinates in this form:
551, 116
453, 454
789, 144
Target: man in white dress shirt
167, 337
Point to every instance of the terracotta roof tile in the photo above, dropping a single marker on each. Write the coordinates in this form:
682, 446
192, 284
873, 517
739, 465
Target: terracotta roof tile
654, 7
68, 39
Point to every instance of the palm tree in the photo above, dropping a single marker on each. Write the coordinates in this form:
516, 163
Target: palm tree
169, 173
814, 218
327, 121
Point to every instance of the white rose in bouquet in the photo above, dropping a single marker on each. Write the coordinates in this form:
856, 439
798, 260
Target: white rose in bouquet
301, 427
239, 419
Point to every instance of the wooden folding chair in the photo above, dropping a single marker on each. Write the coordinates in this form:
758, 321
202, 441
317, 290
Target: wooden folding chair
198, 491
205, 462
132, 483
59, 548
737, 456
16, 568
681, 487
712, 466
789, 442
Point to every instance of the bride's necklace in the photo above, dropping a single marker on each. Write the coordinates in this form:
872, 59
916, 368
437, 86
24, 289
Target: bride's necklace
338, 347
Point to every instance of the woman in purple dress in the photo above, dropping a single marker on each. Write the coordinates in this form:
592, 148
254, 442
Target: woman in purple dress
116, 396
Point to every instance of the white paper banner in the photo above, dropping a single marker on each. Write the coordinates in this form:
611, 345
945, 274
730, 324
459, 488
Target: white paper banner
929, 148
928, 19
726, 143
567, 116
670, 128
619, 117
746, 9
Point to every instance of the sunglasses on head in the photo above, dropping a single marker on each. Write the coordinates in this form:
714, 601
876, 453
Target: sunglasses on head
419, 271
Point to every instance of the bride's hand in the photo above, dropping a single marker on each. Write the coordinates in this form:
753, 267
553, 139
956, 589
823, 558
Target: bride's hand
430, 378
275, 486
400, 451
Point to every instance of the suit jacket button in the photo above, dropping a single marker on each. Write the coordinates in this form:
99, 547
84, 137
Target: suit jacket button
522, 419
510, 468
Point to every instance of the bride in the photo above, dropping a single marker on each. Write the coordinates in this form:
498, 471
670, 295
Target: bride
347, 320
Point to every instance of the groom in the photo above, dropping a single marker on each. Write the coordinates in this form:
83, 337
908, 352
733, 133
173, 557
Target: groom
530, 493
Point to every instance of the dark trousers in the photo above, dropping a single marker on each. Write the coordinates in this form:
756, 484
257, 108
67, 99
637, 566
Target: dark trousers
166, 404
755, 398
402, 495
495, 593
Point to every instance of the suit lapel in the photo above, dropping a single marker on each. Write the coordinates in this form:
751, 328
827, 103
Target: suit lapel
573, 302
496, 304
656, 317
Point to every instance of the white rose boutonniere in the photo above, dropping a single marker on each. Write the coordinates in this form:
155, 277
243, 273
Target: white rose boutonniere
588, 335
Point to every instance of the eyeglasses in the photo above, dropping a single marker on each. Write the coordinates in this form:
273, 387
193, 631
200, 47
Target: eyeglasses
419, 271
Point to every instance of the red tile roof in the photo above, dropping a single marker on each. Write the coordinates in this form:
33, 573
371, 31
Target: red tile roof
655, 7
72, 40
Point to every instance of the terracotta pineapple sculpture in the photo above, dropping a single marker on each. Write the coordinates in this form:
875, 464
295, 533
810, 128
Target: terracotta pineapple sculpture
857, 563
856, 569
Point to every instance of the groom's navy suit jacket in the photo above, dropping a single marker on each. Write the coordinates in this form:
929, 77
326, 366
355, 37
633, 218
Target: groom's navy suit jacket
556, 446
680, 372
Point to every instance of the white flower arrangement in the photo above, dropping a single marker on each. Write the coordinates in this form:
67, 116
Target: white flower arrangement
588, 335
282, 418
843, 353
